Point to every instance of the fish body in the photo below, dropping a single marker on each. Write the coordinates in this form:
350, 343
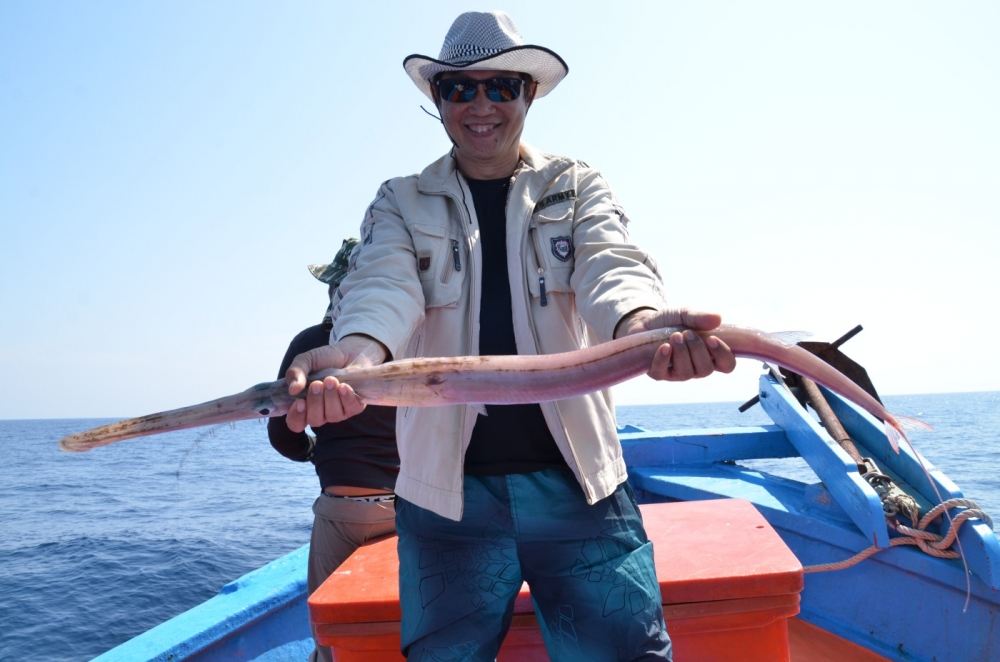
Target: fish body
498, 380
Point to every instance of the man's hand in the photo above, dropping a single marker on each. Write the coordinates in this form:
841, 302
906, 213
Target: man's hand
329, 401
687, 354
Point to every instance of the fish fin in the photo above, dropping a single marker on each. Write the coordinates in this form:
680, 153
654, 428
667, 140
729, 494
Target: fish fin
911, 423
789, 338
480, 409
895, 430
894, 434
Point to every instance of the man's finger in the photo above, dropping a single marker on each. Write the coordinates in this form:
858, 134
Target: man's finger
316, 414
722, 356
660, 367
350, 402
309, 362
296, 417
681, 367
296, 378
298, 371
336, 400
702, 364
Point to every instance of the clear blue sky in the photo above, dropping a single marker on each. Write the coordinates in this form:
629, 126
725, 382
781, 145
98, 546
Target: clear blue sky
168, 170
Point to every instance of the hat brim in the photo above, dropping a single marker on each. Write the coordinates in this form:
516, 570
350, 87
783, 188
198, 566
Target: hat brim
544, 66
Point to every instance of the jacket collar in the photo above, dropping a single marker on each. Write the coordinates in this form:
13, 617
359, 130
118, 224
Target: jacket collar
441, 176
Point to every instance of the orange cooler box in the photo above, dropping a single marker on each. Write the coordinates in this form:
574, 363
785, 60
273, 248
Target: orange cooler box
729, 586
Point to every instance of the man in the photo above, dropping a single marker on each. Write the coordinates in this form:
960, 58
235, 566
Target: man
497, 248
355, 460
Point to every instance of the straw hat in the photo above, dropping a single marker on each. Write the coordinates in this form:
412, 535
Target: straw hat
487, 40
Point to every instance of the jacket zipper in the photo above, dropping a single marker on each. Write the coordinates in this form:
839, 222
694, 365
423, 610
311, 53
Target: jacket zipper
542, 296
456, 255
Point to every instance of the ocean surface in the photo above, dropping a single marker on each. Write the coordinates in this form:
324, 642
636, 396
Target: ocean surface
98, 547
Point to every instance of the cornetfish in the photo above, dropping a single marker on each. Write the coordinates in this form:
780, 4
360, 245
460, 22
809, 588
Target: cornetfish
497, 380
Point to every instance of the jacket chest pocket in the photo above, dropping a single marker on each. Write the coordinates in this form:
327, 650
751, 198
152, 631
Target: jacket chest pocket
551, 235
441, 261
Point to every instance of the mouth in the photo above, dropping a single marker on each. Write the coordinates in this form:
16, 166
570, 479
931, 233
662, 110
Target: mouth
481, 129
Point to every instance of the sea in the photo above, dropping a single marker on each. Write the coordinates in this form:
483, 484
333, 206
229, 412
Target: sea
98, 547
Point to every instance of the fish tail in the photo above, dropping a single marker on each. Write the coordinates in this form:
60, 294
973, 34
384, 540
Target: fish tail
896, 426
894, 432
912, 423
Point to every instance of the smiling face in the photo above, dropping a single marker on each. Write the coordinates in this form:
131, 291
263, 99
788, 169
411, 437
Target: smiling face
486, 133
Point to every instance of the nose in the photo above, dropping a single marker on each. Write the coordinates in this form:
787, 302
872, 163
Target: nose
481, 101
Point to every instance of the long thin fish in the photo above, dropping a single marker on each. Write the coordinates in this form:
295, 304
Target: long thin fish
499, 380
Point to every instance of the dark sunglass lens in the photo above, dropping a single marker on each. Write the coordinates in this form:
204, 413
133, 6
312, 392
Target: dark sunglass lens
500, 90
455, 90
447, 90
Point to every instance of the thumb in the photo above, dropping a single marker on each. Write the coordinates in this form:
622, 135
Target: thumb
699, 321
309, 362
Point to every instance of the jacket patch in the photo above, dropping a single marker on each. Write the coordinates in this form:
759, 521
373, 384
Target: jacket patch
562, 248
424, 262
555, 199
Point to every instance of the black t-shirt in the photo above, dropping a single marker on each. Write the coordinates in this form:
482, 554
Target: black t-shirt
511, 438
360, 451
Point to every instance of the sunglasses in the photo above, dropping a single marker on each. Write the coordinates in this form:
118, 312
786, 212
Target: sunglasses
463, 90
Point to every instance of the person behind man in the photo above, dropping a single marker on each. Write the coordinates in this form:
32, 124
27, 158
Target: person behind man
497, 248
356, 460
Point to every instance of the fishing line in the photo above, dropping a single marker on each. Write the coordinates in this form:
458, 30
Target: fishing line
210, 431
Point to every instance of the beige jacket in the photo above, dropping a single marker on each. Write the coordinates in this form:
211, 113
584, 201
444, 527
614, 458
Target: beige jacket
416, 288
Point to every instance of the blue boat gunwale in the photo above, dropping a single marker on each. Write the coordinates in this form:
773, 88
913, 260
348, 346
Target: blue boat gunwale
269, 601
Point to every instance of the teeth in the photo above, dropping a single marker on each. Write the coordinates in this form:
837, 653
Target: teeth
480, 128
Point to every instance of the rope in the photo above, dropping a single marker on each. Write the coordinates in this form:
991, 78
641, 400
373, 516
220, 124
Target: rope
928, 542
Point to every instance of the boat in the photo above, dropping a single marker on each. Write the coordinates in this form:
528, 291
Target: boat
879, 581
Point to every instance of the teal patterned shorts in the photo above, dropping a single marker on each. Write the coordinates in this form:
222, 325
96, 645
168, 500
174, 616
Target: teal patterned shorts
590, 570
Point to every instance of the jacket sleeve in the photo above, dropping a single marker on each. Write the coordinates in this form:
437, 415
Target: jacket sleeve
381, 296
611, 276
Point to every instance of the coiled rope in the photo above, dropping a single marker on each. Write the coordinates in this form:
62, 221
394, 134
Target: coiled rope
929, 542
